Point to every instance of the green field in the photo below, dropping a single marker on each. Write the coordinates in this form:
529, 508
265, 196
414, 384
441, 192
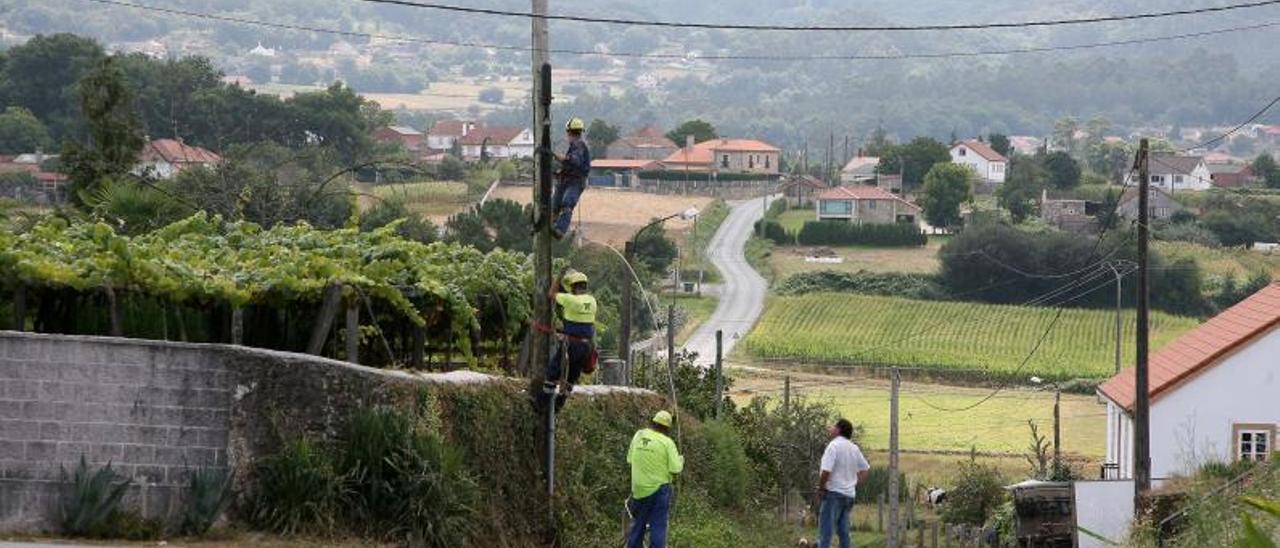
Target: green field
1224, 261
432, 200
845, 328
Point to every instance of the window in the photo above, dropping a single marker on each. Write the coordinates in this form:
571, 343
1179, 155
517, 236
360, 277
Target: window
766, 162
836, 207
1177, 178
1254, 442
871, 204
724, 161
1157, 178
963, 151
751, 161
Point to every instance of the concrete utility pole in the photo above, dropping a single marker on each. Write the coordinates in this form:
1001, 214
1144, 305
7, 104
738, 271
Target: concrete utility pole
624, 333
893, 540
540, 350
1057, 429
1141, 406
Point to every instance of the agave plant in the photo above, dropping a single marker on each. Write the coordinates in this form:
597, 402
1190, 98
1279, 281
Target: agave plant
208, 495
94, 499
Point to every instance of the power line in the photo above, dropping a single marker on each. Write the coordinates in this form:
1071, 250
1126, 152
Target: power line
1233, 130
676, 56
831, 28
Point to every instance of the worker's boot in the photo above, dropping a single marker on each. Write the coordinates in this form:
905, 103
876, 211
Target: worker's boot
545, 397
562, 398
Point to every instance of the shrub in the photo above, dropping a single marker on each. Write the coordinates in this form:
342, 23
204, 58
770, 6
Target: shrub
979, 489
729, 477
802, 428
1187, 232
298, 490
877, 485
889, 284
695, 385
209, 492
94, 501
843, 233
776, 209
774, 232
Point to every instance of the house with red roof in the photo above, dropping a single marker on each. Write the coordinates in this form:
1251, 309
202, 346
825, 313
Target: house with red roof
165, 158
1212, 391
497, 142
725, 156
443, 135
865, 205
989, 165
405, 136
647, 143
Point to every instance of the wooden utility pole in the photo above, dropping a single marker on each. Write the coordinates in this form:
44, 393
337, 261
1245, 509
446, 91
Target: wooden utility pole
786, 413
1141, 406
719, 372
540, 349
1057, 430
628, 286
353, 331
893, 540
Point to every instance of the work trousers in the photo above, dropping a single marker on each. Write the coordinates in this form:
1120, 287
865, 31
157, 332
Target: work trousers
564, 200
833, 519
650, 513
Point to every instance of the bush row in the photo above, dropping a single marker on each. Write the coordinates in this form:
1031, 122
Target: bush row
843, 233
889, 284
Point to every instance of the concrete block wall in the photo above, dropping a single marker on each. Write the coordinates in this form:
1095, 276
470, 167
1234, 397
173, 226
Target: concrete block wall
154, 411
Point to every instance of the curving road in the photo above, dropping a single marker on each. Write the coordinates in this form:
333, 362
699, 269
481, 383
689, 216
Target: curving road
743, 292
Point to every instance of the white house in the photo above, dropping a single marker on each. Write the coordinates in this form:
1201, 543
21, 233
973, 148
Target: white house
165, 158
1212, 392
1173, 172
445, 133
498, 142
982, 159
860, 170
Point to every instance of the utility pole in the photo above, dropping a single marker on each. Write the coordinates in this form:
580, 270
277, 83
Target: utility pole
831, 155
1057, 429
624, 334
786, 413
1141, 406
719, 371
540, 350
1119, 326
895, 379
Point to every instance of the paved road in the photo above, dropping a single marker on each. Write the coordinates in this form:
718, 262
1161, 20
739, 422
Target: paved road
742, 294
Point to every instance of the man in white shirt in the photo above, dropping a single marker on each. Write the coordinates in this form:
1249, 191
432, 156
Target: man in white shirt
843, 468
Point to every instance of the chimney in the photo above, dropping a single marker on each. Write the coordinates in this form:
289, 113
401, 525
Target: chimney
859, 152
688, 142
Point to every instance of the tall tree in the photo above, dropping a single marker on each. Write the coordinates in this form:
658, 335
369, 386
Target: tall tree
1265, 168
1064, 171
1022, 188
699, 129
21, 131
115, 135
600, 134
914, 160
946, 187
43, 75
1000, 143
1064, 134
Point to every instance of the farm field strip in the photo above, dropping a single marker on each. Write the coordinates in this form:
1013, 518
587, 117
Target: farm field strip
860, 329
612, 216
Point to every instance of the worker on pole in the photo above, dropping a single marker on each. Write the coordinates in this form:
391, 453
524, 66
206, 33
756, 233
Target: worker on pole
654, 460
575, 339
571, 179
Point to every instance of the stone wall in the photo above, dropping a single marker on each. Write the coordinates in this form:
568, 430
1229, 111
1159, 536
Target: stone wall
156, 411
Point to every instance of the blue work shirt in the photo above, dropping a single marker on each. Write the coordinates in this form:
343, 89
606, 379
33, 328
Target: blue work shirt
577, 162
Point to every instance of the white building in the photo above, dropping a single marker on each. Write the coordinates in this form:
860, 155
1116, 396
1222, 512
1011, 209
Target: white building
165, 158
1212, 392
445, 133
498, 142
860, 170
1173, 172
989, 165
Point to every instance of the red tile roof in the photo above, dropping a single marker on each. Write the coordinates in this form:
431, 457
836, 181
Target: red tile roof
863, 192
984, 150
647, 137
697, 156
495, 135
704, 152
177, 152
450, 128
1201, 348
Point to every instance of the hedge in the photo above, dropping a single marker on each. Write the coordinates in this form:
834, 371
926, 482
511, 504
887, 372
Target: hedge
844, 233
775, 232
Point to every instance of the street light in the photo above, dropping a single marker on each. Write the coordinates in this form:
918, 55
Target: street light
629, 251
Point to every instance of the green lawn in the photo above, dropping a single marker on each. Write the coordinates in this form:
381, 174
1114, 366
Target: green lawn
789, 260
1237, 262
428, 199
996, 339
709, 221
794, 219
699, 310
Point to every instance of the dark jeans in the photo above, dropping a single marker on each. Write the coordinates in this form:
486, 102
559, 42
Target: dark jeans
650, 513
564, 200
833, 519
578, 352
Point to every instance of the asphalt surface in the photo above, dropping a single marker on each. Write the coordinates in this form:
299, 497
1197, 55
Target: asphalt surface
742, 294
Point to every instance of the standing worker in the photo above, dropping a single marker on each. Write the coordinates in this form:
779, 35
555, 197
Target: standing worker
575, 340
843, 468
654, 459
571, 180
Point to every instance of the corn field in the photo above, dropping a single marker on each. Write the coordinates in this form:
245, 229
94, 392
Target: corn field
860, 329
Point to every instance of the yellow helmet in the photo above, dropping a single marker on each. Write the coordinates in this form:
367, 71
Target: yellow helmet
575, 124
573, 278
663, 418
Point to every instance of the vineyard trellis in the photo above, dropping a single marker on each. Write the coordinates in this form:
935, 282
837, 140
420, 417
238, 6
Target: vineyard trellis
201, 278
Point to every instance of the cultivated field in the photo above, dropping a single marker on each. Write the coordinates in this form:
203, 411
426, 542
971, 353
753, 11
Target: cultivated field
612, 216
788, 260
1237, 262
435, 201
845, 328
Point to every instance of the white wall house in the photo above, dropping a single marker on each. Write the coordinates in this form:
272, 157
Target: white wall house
1173, 173
444, 133
1212, 391
989, 165
498, 142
